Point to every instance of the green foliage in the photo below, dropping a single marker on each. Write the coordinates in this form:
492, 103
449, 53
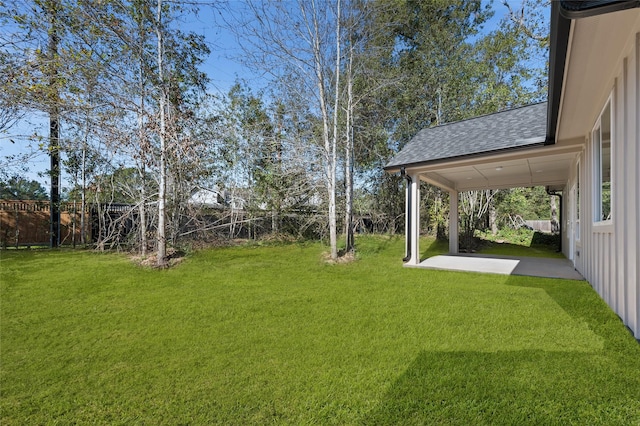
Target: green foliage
431, 64
520, 242
18, 188
265, 153
521, 236
437, 211
529, 203
387, 194
256, 335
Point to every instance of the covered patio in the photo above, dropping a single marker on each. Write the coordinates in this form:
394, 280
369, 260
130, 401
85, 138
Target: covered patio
507, 149
504, 265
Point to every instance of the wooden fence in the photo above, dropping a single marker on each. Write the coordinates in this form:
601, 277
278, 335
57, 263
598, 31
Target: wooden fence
27, 223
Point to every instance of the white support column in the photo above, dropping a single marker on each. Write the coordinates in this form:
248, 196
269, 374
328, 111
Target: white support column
407, 223
415, 219
453, 222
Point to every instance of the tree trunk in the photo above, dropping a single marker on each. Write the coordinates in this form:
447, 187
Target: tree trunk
142, 210
554, 215
51, 7
83, 202
161, 252
330, 141
493, 218
334, 145
349, 160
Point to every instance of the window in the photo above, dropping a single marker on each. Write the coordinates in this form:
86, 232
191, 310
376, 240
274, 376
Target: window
602, 148
577, 231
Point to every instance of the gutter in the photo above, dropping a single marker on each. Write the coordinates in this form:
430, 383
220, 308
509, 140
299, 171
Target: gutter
393, 168
404, 174
560, 29
572, 9
562, 13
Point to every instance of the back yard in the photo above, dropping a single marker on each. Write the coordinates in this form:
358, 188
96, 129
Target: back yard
259, 335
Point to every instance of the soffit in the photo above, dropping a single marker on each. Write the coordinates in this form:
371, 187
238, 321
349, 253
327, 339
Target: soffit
596, 47
539, 166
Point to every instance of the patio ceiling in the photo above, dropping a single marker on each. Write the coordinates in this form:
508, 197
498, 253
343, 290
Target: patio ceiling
507, 149
539, 166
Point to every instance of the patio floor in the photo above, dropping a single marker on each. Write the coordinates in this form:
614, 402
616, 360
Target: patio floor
506, 265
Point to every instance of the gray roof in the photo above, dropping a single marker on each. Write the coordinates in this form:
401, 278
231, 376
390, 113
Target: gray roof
512, 129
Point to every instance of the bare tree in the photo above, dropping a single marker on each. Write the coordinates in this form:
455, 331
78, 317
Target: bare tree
304, 41
529, 20
161, 240
474, 206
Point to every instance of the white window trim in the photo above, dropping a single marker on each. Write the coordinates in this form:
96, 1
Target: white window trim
603, 225
578, 232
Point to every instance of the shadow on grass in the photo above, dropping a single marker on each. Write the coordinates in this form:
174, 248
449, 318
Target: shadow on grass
516, 387
581, 384
532, 244
580, 301
433, 247
508, 249
541, 245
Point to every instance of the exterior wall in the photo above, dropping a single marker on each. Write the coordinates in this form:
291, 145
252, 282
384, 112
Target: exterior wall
608, 253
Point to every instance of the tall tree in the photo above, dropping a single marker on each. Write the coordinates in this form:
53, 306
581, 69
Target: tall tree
52, 10
302, 41
155, 83
161, 239
440, 66
37, 78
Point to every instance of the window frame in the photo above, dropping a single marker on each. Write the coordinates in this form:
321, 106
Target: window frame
598, 183
577, 232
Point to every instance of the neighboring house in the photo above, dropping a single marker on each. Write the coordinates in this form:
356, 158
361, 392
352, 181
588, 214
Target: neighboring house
216, 199
208, 198
584, 143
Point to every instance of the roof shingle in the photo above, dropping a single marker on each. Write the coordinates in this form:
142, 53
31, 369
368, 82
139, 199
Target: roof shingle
511, 129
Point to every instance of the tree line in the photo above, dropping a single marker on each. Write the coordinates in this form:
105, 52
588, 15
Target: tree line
346, 83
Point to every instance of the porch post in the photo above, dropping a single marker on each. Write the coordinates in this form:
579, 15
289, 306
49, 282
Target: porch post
453, 222
415, 219
407, 220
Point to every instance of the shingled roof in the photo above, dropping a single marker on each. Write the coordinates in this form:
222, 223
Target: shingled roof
512, 129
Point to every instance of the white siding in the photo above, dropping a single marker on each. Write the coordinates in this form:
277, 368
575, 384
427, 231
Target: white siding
610, 253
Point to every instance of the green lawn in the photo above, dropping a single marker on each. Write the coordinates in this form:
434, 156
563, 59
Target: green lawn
520, 242
260, 335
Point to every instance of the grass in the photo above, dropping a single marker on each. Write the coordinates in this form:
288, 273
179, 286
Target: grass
521, 242
272, 335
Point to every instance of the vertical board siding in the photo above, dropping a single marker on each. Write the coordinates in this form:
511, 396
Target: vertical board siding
634, 141
623, 224
610, 255
616, 277
625, 193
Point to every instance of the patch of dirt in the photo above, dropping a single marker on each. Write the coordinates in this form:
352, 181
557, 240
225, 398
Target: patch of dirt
343, 258
174, 257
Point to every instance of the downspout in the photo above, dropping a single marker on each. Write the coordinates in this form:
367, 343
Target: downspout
404, 174
559, 195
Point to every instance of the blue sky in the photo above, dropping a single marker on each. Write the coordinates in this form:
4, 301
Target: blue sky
222, 69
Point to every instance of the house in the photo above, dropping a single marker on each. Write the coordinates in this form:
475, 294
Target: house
584, 143
208, 198
216, 199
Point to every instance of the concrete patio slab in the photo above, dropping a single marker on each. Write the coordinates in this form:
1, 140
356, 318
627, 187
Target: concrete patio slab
505, 265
